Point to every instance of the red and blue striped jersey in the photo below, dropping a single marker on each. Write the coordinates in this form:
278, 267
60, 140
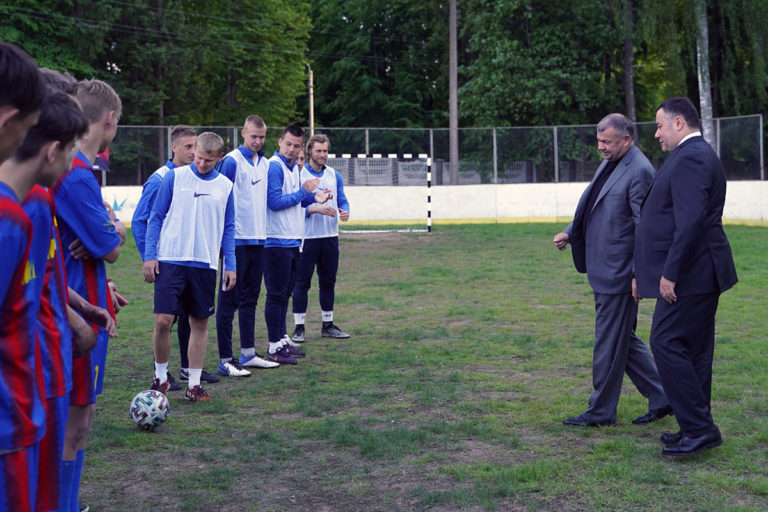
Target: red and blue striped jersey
53, 329
22, 413
81, 215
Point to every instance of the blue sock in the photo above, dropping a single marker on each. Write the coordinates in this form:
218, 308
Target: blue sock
67, 471
74, 504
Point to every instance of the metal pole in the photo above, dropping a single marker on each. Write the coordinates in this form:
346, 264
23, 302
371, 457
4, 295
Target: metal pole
557, 156
311, 87
367, 142
717, 135
762, 161
495, 159
453, 96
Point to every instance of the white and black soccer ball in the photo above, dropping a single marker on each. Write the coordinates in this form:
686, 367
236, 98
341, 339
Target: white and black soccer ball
149, 409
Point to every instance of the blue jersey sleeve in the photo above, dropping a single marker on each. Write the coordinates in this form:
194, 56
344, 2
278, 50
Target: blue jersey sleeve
159, 211
228, 167
80, 204
228, 236
341, 198
143, 210
276, 200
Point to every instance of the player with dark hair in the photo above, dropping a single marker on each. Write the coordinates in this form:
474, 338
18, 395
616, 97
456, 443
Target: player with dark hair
285, 229
321, 241
21, 94
58, 80
247, 168
83, 220
192, 219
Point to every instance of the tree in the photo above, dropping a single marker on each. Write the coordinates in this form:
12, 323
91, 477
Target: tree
702, 71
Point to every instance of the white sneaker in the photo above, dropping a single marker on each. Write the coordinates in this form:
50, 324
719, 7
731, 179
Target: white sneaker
256, 361
287, 339
232, 369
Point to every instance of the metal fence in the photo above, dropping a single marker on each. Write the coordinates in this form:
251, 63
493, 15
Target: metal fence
541, 154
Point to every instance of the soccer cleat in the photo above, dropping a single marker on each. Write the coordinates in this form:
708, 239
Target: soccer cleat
282, 356
174, 386
204, 377
288, 341
298, 333
84, 508
163, 388
332, 331
256, 361
197, 394
232, 369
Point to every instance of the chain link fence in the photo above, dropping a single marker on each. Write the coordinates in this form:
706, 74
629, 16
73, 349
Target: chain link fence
542, 154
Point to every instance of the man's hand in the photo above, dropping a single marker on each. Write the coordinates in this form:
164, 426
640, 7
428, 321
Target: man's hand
100, 317
150, 270
561, 240
667, 290
311, 184
78, 250
83, 337
343, 215
635, 293
118, 301
229, 280
322, 196
322, 209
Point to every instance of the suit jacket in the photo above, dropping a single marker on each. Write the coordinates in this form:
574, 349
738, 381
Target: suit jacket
604, 249
680, 234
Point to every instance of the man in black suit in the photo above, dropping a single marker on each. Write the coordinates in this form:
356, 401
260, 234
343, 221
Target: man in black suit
683, 259
602, 237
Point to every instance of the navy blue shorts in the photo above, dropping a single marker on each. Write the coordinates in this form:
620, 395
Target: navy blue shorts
180, 289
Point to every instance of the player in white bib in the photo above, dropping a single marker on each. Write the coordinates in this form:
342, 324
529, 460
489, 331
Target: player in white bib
193, 218
285, 230
247, 168
321, 240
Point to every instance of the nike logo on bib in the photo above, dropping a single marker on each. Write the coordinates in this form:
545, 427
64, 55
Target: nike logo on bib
198, 194
254, 182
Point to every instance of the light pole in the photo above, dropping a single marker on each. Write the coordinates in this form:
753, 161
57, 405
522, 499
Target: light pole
311, 87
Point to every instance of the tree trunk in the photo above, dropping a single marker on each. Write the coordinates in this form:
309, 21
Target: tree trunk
702, 60
629, 62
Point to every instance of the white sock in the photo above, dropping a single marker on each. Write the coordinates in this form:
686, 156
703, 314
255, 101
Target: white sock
298, 318
224, 361
161, 372
248, 352
327, 316
274, 346
194, 377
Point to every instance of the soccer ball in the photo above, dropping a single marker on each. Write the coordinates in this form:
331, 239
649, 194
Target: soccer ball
149, 409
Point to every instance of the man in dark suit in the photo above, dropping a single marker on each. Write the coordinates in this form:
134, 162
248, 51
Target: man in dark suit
683, 259
602, 237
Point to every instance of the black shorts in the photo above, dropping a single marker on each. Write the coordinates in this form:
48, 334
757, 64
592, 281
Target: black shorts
180, 289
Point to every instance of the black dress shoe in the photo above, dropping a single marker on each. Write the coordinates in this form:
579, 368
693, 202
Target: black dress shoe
655, 414
671, 437
581, 421
692, 445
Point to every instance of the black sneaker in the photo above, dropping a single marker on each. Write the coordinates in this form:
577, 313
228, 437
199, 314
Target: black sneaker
332, 331
173, 385
204, 377
281, 356
298, 333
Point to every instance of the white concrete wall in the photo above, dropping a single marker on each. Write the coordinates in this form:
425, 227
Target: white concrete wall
746, 202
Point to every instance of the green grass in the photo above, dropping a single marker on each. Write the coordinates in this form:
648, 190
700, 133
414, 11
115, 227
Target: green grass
469, 346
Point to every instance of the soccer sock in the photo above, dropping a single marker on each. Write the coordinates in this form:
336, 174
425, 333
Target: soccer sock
78, 473
194, 377
327, 316
66, 473
248, 352
224, 361
161, 372
274, 346
298, 318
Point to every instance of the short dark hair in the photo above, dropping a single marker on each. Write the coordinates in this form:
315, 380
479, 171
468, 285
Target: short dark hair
683, 107
60, 119
295, 130
619, 122
59, 80
23, 88
182, 130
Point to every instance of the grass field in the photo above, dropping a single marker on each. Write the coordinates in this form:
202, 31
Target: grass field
469, 346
